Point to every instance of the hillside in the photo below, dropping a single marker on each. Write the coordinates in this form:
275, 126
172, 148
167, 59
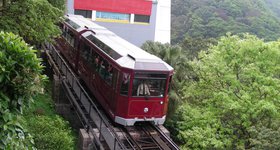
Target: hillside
274, 5
214, 18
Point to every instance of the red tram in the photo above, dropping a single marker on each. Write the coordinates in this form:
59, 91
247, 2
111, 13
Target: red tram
130, 84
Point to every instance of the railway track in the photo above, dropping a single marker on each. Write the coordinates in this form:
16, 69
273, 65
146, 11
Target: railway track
146, 136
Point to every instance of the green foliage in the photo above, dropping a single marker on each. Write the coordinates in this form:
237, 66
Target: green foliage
20, 72
192, 46
34, 20
48, 130
265, 138
50, 133
214, 18
20, 79
198, 129
235, 96
12, 135
274, 5
43, 105
60, 4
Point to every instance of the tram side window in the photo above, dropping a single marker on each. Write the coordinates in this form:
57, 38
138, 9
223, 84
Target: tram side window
125, 84
64, 32
96, 62
92, 60
60, 25
108, 74
86, 52
69, 36
102, 67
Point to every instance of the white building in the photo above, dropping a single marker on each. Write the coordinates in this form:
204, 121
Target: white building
134, 20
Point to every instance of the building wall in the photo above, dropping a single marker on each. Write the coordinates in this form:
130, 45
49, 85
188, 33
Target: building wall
163, 21
158, 29
70, 6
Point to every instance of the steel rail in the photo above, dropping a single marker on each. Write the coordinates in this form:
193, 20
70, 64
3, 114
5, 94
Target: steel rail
166, 138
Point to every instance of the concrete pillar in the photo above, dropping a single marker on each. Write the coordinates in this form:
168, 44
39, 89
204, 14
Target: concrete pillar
85, 140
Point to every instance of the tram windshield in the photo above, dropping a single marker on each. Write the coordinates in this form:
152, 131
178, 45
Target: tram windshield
149, 85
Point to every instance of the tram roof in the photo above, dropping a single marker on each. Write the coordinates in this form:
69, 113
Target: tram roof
131, 56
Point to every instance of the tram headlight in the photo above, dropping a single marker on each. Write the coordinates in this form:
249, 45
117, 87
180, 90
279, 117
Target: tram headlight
146, 110
161, 102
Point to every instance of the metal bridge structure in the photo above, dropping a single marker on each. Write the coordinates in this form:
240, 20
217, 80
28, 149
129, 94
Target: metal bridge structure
105, 134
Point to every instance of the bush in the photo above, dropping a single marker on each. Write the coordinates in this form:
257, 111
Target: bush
50, 133
20, 80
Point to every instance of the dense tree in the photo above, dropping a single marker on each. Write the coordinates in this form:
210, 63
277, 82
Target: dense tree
34, 20
214, 18
274, 5
234, 102
20, 79
60, 4
192, 46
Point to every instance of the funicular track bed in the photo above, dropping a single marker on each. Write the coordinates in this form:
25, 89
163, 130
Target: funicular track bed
146, 136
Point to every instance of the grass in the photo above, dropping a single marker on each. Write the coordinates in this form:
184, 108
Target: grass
44, 106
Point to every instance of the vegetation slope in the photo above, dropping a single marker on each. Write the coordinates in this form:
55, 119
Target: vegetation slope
214, 18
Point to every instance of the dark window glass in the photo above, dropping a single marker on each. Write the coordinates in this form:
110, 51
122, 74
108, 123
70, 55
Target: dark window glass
150, 76
85, 13
92, 60
146, 84
69, 36
141, 18
102, 68
149, 87
86, 53
72, 24
125, 84
64, 32
105, 48
97, 60
108, 74
60, 25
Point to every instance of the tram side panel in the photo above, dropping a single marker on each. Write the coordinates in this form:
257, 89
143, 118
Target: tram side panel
74, 50
93, 74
